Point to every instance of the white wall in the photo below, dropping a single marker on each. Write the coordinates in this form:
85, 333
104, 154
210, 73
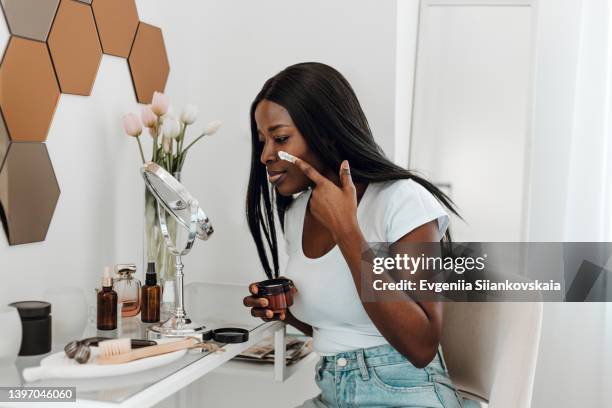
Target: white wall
589, 154
566, 192
472, 112
95, 222
566, 200
220, 55
405, 60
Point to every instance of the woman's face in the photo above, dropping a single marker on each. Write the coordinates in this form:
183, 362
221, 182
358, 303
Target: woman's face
277, 132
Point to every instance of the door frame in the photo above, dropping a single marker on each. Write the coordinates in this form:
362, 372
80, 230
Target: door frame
424, 5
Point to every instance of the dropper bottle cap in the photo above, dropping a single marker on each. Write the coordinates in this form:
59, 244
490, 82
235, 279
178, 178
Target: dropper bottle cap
151, 276
107, 280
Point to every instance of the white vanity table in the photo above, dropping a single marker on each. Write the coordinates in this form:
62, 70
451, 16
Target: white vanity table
148, 388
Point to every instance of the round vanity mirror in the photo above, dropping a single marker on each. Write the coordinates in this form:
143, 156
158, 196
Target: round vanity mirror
174, 200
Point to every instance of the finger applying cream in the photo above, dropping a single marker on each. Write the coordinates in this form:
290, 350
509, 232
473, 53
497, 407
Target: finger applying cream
286, 156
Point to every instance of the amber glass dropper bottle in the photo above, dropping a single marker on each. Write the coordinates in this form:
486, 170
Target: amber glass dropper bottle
107, 303
151, 296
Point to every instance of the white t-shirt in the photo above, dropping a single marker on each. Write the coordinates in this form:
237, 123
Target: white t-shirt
327, 298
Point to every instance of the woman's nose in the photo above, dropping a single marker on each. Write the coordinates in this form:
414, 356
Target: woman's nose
268, 154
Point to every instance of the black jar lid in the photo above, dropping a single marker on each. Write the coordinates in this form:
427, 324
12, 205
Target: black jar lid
231, 335
32, 309
273, 286
207, 335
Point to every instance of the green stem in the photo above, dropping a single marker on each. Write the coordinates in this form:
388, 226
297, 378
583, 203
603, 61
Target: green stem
180, 141
181, 161
184, 151
179, 149
140, 148
194, 142
157, 129
171, 154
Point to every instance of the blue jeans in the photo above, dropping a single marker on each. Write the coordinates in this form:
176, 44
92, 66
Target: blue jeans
381, 377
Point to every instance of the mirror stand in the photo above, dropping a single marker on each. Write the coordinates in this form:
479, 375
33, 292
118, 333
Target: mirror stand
178, 325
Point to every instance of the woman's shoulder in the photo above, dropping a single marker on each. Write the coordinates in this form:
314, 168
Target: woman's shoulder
393, 189
405, 204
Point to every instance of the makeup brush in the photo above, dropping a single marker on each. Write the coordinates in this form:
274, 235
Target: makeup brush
120, 351
80, 351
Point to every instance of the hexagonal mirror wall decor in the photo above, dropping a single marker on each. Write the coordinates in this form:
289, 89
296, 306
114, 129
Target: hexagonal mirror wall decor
148, 62
56, 46
75, 47
117, 21
28, 193
30, 18
29, 90
4, 141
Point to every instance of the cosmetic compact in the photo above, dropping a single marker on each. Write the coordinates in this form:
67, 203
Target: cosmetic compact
279, 293
36, 324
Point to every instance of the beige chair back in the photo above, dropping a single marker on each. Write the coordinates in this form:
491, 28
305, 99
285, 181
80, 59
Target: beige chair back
491, 350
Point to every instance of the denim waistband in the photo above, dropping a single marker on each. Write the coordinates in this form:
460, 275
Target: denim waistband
372, 357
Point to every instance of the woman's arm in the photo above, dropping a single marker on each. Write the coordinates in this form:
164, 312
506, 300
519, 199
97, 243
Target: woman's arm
412, 328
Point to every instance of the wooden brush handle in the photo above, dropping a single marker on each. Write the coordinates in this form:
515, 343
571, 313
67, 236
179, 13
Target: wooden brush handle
147, 352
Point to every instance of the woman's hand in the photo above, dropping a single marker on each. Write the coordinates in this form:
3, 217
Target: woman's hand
259, 305
333, 206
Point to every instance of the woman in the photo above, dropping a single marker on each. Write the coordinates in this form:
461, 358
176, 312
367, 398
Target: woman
373, 353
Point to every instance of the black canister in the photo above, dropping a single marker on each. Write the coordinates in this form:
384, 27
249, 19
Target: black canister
36, 323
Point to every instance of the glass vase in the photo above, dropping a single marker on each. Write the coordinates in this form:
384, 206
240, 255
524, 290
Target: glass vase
154, 246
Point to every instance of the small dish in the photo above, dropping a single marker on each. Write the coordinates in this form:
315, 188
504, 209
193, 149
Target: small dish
57, 365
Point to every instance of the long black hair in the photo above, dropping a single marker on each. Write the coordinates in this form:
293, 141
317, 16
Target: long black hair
325, 109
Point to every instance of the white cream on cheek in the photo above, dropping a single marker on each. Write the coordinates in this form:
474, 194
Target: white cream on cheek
286, 156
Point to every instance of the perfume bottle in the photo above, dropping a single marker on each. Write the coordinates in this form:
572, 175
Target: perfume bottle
107, 303
128, 289
151, 296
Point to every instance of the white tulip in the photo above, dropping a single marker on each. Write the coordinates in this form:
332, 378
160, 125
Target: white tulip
148, 117
171, 127
189, 114
153, 133
132, 125
212, 127
167, 144
160, 103
169, 113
